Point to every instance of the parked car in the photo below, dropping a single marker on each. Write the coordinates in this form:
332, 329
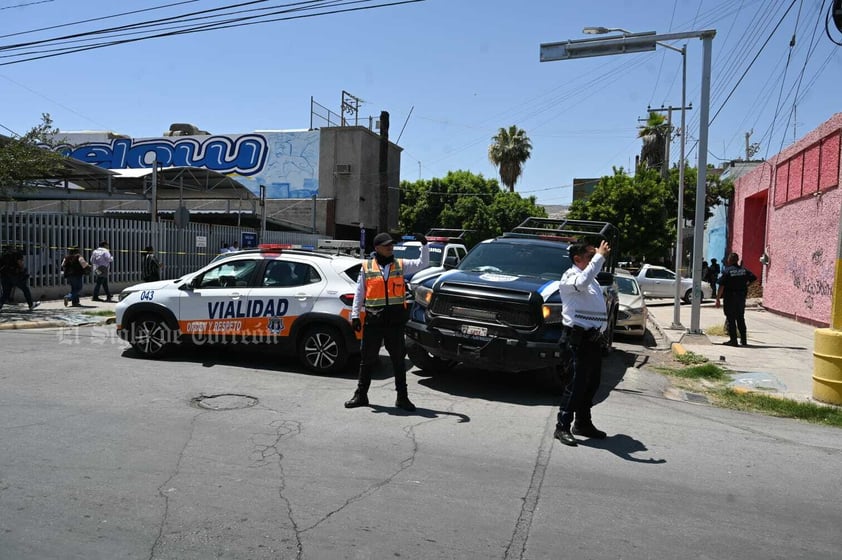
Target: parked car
297, 299
659, 282
632, 313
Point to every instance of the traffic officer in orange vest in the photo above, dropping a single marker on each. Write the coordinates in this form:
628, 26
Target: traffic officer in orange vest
382, 290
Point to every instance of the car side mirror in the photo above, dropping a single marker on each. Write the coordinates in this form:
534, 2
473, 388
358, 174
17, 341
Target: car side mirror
605, 278
451, 262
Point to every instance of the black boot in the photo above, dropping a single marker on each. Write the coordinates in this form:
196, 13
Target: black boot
360, 398
404, 403
564, 436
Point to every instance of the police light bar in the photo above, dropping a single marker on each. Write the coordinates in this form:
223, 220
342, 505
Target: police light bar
408, 237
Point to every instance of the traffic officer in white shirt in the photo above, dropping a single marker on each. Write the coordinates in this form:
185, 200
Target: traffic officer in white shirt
585, 319
381, 288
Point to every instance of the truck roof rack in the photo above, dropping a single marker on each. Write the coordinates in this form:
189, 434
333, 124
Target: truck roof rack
571, 231
449, 234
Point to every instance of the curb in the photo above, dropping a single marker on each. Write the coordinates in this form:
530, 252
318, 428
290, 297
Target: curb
52, 324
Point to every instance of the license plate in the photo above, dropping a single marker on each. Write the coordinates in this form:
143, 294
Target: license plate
473, 330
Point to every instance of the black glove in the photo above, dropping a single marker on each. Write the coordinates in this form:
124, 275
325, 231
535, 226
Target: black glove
420, 237
357, 324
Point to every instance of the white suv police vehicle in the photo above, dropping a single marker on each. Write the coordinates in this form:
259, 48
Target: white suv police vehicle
298, 299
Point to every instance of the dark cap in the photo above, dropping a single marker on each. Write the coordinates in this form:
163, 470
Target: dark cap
383, 239
149, 249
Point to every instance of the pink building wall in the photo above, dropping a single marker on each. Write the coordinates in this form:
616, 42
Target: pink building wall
789, 207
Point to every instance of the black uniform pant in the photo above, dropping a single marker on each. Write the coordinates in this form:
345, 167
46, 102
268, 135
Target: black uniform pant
735, 311
585, 348
375, 334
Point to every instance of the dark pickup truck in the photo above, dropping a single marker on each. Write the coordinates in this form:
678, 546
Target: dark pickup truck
500, 309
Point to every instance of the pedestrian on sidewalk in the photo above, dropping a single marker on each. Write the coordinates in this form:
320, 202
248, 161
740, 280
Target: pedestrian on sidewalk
101, 260
713, 275
13, 274
733, 286
151, 267
74, 266
584, 320
381, 288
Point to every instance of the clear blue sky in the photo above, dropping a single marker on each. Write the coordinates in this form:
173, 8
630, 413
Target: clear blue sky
464, 68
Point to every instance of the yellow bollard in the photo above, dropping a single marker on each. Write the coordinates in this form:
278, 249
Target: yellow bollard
827, 366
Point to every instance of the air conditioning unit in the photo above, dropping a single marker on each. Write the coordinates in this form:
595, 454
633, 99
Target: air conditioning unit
343, 168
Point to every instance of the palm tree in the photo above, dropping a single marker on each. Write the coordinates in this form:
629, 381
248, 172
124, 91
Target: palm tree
511, 148
654, 137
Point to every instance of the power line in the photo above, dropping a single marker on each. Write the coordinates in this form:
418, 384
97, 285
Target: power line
225, 24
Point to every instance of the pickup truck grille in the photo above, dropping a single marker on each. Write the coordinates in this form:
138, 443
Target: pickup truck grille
518, 315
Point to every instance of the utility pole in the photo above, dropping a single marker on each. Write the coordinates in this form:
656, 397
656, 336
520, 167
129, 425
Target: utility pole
383, 218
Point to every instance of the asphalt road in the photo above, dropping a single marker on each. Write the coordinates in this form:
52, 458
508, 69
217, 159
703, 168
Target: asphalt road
104, 455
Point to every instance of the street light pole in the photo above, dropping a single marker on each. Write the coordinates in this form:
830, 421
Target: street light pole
679, 225
642, 42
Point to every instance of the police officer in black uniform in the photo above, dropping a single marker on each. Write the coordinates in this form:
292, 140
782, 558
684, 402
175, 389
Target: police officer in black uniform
733, 285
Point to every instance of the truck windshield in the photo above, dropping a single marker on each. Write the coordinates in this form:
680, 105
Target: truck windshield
518, 259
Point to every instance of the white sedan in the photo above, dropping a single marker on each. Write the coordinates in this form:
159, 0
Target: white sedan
659, 282
632, 312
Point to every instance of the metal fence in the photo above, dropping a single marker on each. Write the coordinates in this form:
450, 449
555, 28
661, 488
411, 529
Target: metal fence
44, 238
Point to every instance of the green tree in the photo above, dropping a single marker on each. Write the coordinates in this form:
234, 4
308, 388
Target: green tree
463, 200
716, 191
509, 151
637, 205
23, 161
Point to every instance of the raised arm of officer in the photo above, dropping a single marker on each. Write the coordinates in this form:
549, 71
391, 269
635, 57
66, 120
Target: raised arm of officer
585, 268
414, 265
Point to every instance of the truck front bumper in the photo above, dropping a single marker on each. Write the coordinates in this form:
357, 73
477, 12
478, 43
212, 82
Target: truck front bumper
493, 353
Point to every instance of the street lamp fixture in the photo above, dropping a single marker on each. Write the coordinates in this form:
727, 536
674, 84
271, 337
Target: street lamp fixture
604, 30
641, 42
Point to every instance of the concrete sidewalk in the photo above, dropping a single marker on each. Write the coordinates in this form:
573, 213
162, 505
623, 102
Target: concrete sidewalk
778, 358
53, 313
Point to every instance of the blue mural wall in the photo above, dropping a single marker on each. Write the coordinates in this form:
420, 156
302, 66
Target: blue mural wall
287, 163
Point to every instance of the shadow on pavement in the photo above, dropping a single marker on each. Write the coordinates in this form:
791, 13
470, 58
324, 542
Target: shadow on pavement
422, 412
525, 388
623, 446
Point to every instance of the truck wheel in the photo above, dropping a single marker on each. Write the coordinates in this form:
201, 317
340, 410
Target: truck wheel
426, 361
322, 349
151, 336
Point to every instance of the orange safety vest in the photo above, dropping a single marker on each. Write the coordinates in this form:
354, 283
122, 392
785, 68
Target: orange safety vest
380, 292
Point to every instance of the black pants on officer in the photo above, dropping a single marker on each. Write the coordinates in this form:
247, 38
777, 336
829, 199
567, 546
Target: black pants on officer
386, 329
585, 348
735, 317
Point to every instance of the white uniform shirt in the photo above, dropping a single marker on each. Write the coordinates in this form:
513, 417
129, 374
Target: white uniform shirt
409, 266
583, 304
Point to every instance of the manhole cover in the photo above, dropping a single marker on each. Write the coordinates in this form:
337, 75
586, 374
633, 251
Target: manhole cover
224, 401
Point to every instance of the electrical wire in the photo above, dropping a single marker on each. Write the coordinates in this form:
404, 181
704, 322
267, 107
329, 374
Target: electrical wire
225, 24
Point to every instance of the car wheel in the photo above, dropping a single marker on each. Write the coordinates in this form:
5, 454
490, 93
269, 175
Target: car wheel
322, 349
151, 336
688, 296
425, 361
608, 338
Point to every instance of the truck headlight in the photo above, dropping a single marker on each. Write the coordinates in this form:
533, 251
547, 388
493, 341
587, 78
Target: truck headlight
423, 295
551, 312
